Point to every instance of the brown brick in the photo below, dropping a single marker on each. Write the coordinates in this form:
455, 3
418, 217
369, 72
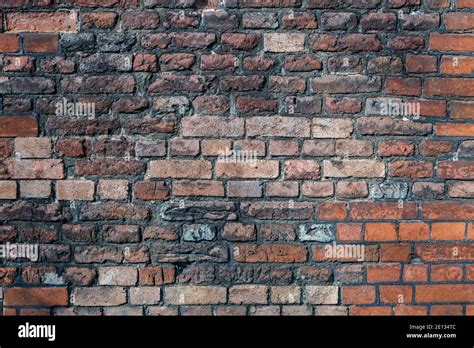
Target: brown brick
36, 296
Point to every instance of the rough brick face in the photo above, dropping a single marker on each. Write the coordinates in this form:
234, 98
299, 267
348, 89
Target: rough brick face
193, 157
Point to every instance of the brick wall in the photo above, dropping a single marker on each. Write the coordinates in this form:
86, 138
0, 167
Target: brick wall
350, 190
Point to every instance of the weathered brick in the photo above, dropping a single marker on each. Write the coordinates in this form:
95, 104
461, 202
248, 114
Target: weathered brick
99, 296
72, 190
284, 42
125, 276
254, 253
184, 295
7, 189
62, 21
248, 294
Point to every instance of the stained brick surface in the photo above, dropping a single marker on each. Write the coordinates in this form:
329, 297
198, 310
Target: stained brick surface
237, 157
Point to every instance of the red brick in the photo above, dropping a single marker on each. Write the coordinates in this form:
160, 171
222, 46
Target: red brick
396, 148
36, 297
62, 21
349, 231
448, 230
459, 21
9, 43
447, 211
395, 294
18, 126
99, 20
410, 86
358, 294
446, 310
446, 273
198, 188
41, 43
414, 231
455, 169
461, 109
415, 273
332, 211
430, 148
411, 169
71, 190
445, 252
383, 211
22, 63
151, 190
444, 293
383, 273
395, 252
451, 42
287, 253
381, 231
421, 63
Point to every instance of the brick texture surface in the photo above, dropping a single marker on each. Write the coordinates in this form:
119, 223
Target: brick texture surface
237, 157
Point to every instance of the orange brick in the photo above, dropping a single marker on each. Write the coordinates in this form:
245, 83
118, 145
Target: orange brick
451, 42
431, 108
446, 273
403, 86
9, 311
459, 21
395, 294
446, 310
358, 294
36, 297
380, 231
35, 311
470, 272
42, 21
332, 211
465, 3
461, 109
349, 231
470, 310
415, 273
395, 252
383, 211
383, 273
414, 231
444, 293
457, 65
9, 43
450, 210
18, 126
445, 251
454, 129
448, 230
